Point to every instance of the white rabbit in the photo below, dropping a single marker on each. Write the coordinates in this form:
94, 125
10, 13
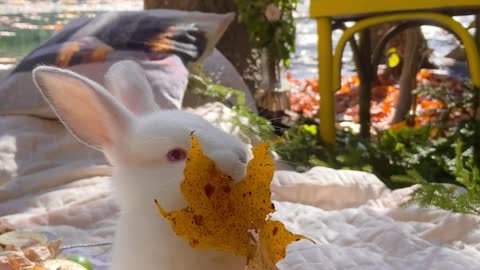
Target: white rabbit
147, 148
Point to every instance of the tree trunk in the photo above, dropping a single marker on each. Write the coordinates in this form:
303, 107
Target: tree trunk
410, 46
235, 43
411, 65
367, 78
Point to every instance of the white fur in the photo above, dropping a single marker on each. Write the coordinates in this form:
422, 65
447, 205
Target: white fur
136, 136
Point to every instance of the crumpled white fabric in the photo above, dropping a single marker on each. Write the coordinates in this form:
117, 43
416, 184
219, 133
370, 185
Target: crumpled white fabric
51, 183
356, 222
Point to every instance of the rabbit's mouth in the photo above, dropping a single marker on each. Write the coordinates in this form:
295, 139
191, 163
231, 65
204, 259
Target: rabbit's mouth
238, 174
237, 171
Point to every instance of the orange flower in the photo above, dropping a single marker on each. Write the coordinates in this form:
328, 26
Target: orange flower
431, 105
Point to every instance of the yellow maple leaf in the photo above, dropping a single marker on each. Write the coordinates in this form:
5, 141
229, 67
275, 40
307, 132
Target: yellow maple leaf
222, 214
272, 242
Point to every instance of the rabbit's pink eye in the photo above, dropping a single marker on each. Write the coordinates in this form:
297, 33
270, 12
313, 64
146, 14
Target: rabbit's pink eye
177, 154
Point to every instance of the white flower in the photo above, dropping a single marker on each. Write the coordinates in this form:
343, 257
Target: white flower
273, 13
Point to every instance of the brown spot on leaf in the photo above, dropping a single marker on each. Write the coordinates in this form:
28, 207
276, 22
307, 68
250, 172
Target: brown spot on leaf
198, 220
209, 189
195, 242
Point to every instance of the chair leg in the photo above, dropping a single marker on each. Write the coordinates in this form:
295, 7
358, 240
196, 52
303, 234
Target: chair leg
325, 81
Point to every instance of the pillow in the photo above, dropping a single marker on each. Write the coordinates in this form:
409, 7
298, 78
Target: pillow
164, 42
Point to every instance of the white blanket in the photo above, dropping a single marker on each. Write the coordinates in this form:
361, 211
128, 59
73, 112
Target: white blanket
51, 183
356, 223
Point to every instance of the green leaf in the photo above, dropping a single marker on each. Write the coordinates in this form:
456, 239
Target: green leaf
312, 129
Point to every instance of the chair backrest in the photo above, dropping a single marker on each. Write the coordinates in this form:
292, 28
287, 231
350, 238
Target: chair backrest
351, 9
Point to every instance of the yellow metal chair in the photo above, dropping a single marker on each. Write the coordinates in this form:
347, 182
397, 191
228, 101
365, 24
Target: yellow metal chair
367, 13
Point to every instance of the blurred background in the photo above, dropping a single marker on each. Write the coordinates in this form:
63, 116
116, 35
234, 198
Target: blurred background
25, 24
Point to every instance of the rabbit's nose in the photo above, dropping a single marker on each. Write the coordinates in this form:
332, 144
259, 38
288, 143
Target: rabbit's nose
242, 155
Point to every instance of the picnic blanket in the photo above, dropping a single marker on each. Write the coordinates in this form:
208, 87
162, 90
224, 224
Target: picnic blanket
51, 183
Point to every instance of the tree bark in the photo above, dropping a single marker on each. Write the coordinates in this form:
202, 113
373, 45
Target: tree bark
366, 82
410, 46
235, 43
411, 65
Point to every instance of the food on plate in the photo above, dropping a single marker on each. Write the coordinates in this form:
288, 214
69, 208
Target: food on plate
21, 239
59, 264
32, 251
82, 261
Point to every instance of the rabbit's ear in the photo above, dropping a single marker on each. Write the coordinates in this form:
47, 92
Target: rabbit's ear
93, 115
127, 81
